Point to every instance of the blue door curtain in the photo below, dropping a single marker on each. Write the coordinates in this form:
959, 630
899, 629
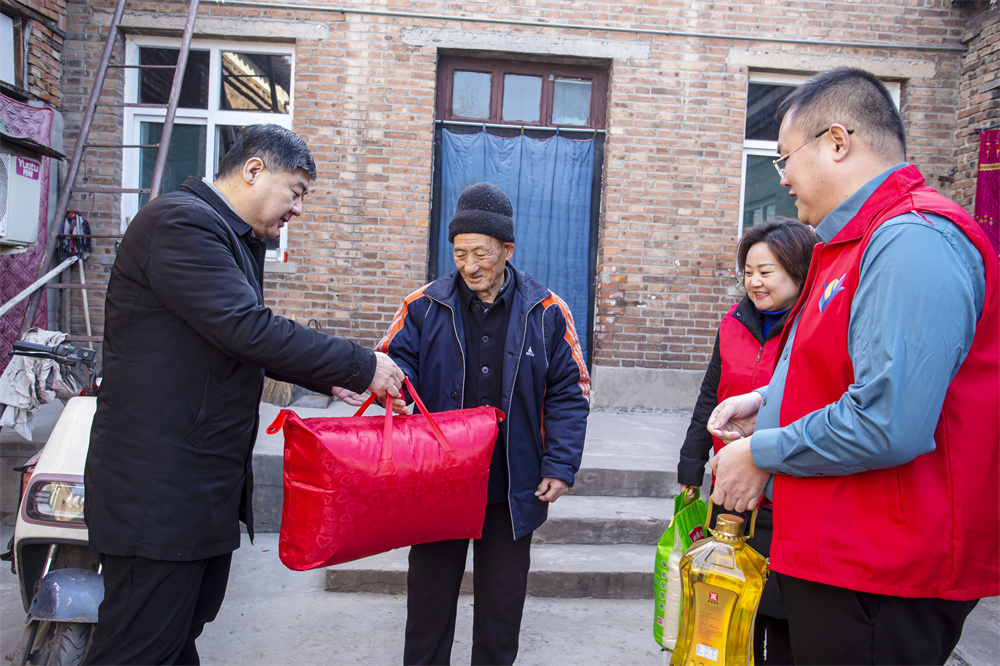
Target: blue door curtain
549, 182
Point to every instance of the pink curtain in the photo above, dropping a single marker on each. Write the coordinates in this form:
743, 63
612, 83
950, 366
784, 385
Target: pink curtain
18, 271
988, 186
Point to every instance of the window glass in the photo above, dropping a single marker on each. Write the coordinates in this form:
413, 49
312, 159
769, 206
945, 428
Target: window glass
762, 102
255, 82
186, 156
225, 137
154, 84
571, 102
522, 98
763, 195
470, 94
7, 49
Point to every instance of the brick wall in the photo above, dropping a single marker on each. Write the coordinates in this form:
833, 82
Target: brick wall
85, 40
367, 108
364, 98
979, 95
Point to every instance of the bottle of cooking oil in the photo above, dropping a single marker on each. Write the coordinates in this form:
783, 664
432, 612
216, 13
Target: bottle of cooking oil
722, 579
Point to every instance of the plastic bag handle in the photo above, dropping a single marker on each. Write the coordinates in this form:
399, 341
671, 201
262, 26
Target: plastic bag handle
753, 519
690, 495
386, 465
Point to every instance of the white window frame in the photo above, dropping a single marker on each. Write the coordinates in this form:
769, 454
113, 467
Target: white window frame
770, 148
211, 118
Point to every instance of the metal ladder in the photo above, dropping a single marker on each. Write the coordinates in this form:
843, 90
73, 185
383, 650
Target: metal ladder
68, 189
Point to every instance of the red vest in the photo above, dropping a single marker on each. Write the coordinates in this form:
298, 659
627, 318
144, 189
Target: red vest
746, 364
927, 528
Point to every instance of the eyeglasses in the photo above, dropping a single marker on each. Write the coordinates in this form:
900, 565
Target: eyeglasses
783, 158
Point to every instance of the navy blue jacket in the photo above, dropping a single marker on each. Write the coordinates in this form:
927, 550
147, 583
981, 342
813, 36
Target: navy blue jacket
546, 386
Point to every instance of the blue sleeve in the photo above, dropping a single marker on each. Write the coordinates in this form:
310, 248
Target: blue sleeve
567, 398
921, 289
402, 341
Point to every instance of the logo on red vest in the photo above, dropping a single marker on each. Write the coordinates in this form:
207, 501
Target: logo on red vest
831, 289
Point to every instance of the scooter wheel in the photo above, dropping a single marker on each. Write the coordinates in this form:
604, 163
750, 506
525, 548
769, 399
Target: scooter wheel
60, 643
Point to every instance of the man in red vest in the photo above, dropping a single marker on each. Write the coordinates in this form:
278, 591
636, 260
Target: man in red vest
878, 437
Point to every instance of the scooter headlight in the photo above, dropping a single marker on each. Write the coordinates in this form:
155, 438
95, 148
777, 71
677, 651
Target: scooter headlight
55, 502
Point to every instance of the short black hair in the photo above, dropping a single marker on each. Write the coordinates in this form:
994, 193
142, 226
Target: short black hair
854, 98
280, 149
790, 241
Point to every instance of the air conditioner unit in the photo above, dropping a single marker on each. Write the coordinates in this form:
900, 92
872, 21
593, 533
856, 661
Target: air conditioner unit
20, 196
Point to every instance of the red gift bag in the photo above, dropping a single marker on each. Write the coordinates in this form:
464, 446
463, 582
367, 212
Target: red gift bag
359, 486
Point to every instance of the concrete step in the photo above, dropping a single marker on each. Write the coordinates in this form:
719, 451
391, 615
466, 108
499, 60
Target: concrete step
557, 570
579, 519
626, 482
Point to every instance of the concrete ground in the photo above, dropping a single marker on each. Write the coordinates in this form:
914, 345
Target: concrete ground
275, 616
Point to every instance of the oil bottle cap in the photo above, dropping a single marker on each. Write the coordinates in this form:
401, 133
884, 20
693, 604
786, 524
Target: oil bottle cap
729, 527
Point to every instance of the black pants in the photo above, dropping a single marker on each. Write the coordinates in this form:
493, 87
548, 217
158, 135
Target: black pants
771, 645
834, 625
154, 610
500, 583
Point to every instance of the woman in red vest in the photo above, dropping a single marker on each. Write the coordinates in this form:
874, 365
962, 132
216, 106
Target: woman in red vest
773, 258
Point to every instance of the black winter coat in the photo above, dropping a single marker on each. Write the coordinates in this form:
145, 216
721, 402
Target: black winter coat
186, 344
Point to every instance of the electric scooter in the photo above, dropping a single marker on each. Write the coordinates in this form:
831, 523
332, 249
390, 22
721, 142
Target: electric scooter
59, 577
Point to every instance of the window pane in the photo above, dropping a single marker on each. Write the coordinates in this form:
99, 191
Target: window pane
154, 84
255, 82
186, 156
762, 102
7, 41
764, 196
470, 95
571, 102
522, 98
225, 137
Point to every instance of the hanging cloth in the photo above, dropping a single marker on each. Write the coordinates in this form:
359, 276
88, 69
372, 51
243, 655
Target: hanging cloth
988, 186
549, 182
74, 224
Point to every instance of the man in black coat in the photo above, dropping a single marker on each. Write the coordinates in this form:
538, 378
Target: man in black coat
187, 343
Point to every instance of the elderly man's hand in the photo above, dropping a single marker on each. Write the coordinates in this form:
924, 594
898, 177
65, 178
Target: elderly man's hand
739, 483
734, 417
550, 489
349, 396
358, 399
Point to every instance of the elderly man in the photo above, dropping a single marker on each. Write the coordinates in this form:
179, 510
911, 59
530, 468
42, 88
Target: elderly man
488, 334
186, 346
880, 423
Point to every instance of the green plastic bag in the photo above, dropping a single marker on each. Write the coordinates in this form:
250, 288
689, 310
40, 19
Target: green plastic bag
686, 527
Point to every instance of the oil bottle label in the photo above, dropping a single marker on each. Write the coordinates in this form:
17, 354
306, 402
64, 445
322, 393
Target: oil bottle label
713, 609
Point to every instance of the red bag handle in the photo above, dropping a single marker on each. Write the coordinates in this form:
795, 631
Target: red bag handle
385, 464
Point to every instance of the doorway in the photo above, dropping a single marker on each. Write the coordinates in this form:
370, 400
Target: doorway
536, 131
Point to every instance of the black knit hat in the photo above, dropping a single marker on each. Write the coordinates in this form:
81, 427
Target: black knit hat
483, 209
